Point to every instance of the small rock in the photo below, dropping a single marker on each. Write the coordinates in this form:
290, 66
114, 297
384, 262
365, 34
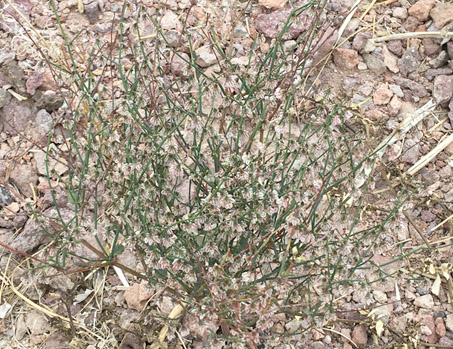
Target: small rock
366, 88
41, 158
410, 61
394, 106
380, 296
427, 216
418, 89
48, 100
15, 117
288, 46
175, 38
442, 14
440, 314
420, 9
21, 327
205, 57
440, 60
270, 25
396, 90
412, 154
5, 196
375, 64
272, 4
396, 47
202, 328
243, 60
349, 84
6, 54
450, 49
422, 290
5, 97
411, 24
425, 301
382, 96
399, 12
430, 74
92, 11
449, 322
382, 313
362, 66
34, 81
323, 46
443, 88
137, 296
390, 60
448, 342
170, 21
351, 27
360, 335
431, 47
345, 58
48, 82
449, 196
440, 327
428, 328
360, 40
430, 177
14, 75
179, 65
24, 175
369, 47
43, 122
240, 31
36, 322
36, 232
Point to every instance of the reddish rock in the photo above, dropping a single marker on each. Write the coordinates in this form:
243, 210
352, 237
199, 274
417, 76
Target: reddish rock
390, 60
345, 58
411, 23
396, 47
420, 9
137, 296
440, 327
34, 81
443, 89
37, 233
271, 24
322, 47
382, 96
16, 116
431, 47
442, 14
374, 114
418, 89
360, 40
360, 335
23, 175
428, 329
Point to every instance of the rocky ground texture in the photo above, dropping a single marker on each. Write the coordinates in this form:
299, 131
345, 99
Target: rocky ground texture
380, 78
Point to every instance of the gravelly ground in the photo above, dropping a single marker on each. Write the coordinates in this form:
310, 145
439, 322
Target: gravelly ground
380, 83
